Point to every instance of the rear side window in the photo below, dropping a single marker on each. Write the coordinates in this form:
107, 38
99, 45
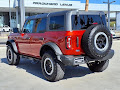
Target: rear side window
84, 21
28, 26
40, 25
56, 23
104, 19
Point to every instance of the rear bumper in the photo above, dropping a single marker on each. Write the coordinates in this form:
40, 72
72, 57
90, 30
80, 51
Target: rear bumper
70, 60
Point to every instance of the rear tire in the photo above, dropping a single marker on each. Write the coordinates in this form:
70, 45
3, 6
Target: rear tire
52, 69
12, 57
98, 66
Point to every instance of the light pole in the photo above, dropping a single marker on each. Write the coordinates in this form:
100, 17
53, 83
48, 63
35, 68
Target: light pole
86, 5
109, 12
10, 13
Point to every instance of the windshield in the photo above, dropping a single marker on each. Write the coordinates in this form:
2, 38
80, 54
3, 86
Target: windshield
84, 21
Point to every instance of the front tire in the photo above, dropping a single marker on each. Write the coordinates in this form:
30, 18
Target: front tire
98, 66
52, 69
12, 57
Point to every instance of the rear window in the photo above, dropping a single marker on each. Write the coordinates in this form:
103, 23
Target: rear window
5, 26
84, 21
56, 23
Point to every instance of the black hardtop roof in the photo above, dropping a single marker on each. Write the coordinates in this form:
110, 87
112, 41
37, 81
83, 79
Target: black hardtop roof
62, 12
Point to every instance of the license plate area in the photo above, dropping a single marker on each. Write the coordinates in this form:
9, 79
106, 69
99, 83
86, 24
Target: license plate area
79, 60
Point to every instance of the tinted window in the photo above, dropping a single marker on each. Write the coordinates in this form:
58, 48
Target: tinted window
40, 25
28, 26
6, 26
84, 21
104, 19
57, 23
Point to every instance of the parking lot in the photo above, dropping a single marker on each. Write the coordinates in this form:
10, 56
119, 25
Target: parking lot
3, 37
28, 76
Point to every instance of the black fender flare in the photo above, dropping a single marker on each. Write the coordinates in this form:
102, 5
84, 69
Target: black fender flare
12, 42
56, 49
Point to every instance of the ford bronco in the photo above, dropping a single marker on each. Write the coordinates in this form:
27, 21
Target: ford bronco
66, 38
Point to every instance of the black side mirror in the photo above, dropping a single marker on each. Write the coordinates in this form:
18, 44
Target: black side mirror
26, 31
15, 30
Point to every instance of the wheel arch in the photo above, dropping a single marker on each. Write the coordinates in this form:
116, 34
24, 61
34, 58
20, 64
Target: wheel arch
13, 44
50, 46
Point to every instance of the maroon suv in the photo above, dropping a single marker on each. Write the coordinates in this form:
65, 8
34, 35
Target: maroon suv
63, 38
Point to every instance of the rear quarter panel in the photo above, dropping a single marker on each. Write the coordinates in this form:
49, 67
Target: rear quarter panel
58, 37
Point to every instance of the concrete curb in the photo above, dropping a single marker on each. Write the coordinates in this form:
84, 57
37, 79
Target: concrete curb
117, 33
2, 45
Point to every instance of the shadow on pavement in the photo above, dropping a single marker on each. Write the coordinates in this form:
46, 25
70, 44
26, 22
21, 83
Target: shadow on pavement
79, 71
35, 69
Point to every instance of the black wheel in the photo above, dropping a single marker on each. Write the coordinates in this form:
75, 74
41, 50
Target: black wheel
3, 30
52, 69
12, 57
96, 41
98, 66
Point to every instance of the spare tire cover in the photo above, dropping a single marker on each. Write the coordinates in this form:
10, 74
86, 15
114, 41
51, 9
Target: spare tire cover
96, 41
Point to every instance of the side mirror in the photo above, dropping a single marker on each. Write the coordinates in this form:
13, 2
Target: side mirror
26, 30
15, 30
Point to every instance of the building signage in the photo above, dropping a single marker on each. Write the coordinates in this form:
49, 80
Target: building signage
52, 4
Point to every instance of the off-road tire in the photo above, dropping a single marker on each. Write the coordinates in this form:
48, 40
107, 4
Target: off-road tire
57, 70
98, 66
94, 36
12, 57
3, 30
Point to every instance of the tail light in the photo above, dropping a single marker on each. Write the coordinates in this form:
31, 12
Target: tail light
68, 42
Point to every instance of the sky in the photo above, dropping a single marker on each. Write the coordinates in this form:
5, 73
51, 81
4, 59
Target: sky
99, 1
95, 1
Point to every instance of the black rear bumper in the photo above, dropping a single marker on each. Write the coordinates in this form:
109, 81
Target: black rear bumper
70, 60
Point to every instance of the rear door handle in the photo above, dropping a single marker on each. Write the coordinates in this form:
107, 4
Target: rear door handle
28, 38
41, 38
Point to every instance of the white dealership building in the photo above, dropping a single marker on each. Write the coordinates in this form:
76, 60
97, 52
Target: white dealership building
21, 9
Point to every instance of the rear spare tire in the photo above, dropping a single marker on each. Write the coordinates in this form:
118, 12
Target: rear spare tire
96, 41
